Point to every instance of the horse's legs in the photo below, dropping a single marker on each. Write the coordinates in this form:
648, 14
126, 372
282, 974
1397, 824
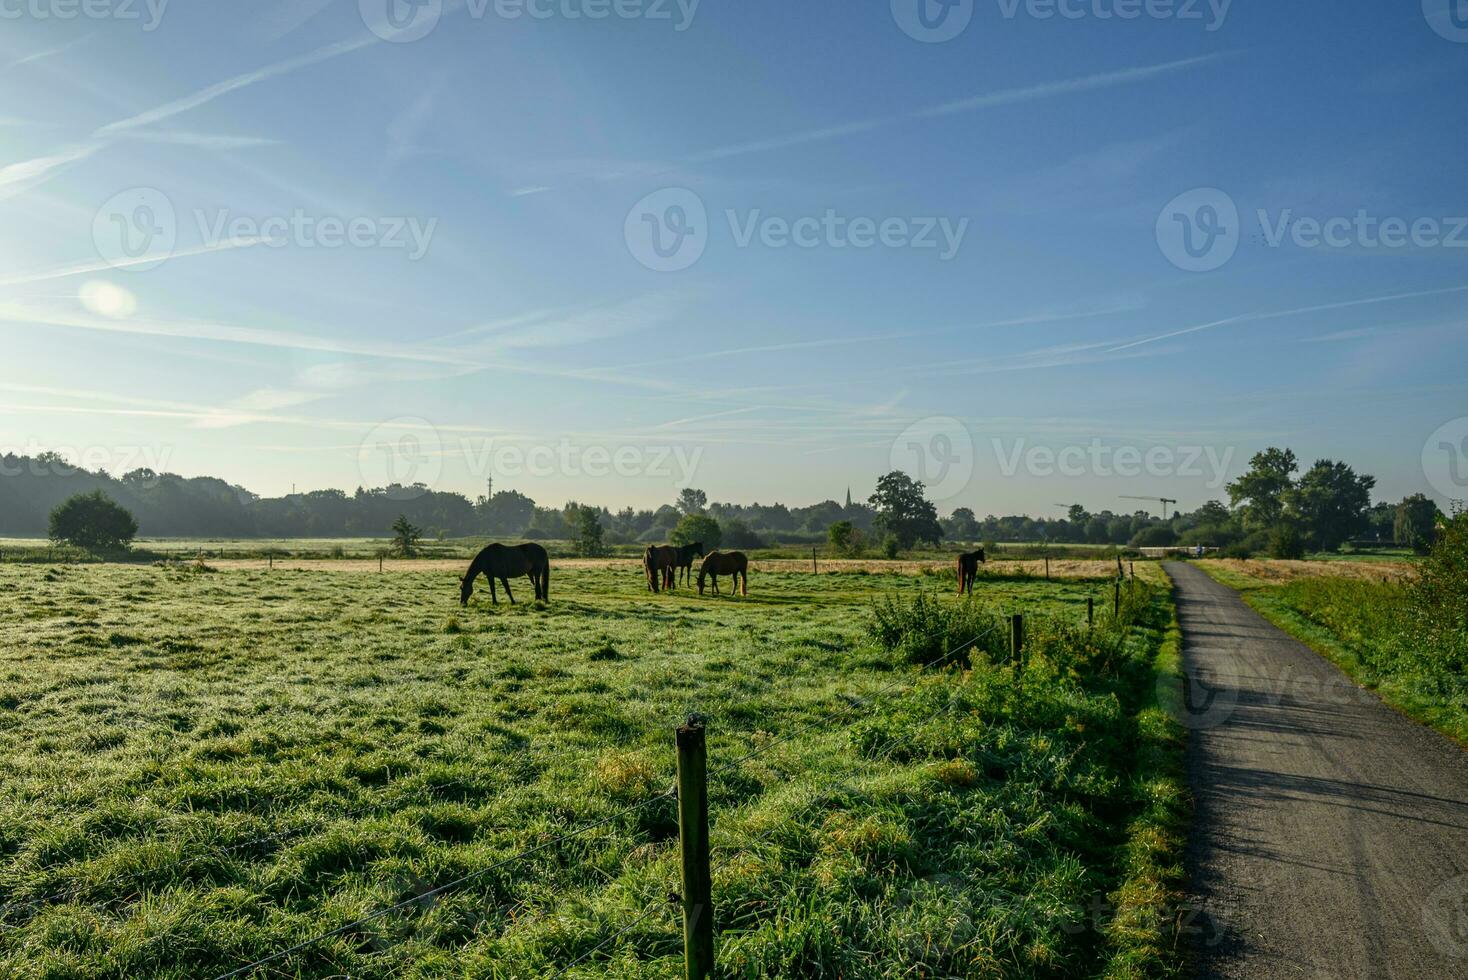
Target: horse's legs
744, 578
506, 583
493, 596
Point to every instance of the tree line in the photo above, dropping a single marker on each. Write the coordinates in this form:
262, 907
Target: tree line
1271, 510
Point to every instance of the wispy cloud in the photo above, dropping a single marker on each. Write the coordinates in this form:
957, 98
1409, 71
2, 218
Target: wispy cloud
90, 268
45, 53
1297, 311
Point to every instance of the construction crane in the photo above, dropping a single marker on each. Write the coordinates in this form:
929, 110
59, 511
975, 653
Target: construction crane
1164, 500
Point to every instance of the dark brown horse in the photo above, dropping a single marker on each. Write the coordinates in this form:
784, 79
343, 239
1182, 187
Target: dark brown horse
658, 563
505, 562
968, 570
686, 554
733, 563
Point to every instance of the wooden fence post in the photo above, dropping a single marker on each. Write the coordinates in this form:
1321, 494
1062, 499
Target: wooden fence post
1047, 568
1133, 566
1116, 598
814, 568
1090, 610
1017, 638
693, 835
379, 564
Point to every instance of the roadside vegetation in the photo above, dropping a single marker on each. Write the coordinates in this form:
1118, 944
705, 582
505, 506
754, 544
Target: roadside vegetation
1404, 636
198, 768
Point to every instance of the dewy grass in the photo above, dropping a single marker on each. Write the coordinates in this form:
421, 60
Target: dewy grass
200, 770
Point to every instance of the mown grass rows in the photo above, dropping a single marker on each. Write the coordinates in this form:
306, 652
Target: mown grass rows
198, 769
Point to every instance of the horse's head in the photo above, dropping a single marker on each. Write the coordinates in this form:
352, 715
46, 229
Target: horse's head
466, 589
982, 560
698, 549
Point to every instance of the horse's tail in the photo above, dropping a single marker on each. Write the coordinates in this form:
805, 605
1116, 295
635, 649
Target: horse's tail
545, 582
960, 574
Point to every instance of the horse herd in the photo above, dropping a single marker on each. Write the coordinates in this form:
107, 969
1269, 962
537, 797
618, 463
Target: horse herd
662, 564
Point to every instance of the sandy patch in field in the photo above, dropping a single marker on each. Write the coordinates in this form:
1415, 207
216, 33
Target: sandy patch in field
1278, 570
1059, 568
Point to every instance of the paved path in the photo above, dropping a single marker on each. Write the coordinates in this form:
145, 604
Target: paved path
1331, 833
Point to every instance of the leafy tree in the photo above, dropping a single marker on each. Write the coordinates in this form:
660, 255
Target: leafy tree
737, 534
891, 546
1261, 491
1439, 597
904, 512
962, 526
698, 528
845, 538
589, 533
405, 536
1331, 502
1077, 515
1156, 536
1415, 526
692, 501
1285, 541
93, 521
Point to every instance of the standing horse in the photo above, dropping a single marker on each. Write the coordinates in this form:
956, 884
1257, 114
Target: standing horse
734, 563
968, 570
659, 563
504, 562
686, 554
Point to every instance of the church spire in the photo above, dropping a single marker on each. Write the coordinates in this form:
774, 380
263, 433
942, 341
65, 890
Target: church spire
848, 498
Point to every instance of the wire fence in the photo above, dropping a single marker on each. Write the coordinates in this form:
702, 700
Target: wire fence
838, 719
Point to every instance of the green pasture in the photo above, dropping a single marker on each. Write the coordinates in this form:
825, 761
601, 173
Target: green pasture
201, 768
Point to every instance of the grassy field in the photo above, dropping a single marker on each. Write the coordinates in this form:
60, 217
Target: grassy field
1359, 617
202, 767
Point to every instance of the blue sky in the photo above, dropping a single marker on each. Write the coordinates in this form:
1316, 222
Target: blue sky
495, 313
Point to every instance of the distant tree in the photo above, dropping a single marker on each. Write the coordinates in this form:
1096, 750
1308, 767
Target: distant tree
1285, 541
1261, 491
737, 534
94, 522
1155, 536
589, 533
904, 512
891, 546
698, 528
1416, 522
1096, 531
405, 537
845, 538
692, 501
1330, 502
1077, 515
962, 526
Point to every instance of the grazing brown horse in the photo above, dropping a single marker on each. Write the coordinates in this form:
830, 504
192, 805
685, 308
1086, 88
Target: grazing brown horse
659, 562
505, 562
968, 570
733, 563
686, 554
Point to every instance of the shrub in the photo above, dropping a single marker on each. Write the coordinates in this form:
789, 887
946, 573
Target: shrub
698, 529
891, 546
924, 629
1285, 541
94, 522
737, 534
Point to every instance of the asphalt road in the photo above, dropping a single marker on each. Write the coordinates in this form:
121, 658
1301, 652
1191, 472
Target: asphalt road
1331, 833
